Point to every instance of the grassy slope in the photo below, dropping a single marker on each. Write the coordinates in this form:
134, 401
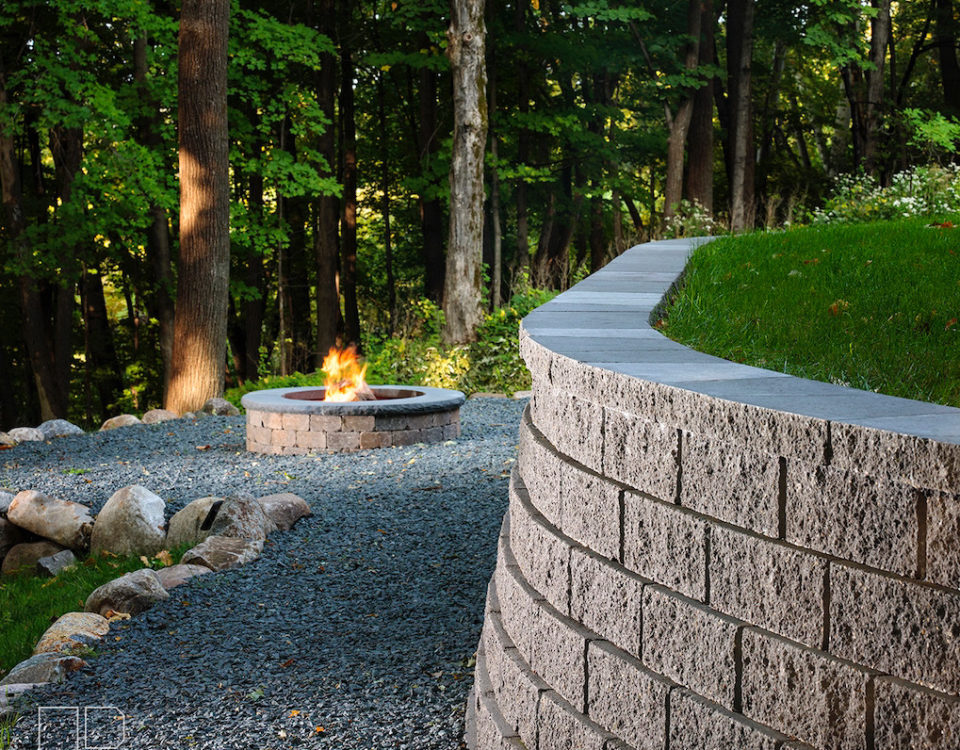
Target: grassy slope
874, 306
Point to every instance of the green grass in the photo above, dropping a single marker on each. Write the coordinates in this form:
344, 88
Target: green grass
29, 605
874, 306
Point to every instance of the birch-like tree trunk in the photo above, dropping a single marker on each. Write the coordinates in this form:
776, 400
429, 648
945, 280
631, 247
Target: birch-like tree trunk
462, 288
200, 325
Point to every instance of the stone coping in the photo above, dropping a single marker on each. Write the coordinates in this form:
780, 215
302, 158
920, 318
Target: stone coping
428, 401
604, 322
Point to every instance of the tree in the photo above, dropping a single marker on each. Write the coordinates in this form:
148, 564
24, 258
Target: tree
203, 268
462, 289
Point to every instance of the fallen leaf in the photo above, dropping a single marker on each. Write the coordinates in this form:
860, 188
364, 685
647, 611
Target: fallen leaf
203, 447
950, 324
287, 663
812, 261
165, 557
320, 729
294, 711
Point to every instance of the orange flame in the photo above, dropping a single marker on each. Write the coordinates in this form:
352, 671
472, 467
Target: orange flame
345, 376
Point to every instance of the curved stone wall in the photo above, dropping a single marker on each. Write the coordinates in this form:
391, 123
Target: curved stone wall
704, 555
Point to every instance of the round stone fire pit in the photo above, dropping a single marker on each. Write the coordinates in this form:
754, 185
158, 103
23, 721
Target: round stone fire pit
290, 421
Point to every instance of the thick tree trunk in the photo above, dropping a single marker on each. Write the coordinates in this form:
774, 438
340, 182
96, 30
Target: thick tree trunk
946, 41
496, 272
385, 205
431, 209
327, 207
348, 221
701, 139
739, 59
463, 282
203, 269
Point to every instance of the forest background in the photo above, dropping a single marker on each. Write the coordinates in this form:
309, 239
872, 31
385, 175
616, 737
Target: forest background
609, 123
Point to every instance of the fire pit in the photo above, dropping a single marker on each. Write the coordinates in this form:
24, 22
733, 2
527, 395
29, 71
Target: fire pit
291, 421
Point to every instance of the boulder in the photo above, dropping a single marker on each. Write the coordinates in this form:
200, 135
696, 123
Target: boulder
61, 521
43, 668
5, 499
22, 558
242, 517
72, 631
194, 415
25, 434
6, 441
221, 553
155, 416
52, 565
284, 509
9, 695
130, 523
10, 536
177, 574
121, 420
132, 593
54, 428
185, 525
220, 407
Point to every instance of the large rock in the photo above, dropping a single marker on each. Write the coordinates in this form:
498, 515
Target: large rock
54, 428
9, 695
22, 558
121, 420
132, 593
72, 631
54, 565
221, 553
154, 416
176, 575
130, 523
185, 526
43, 668
10, 536
220, 407
5, 499
6, 441
284, 509
61, 521
26, 434
242, 517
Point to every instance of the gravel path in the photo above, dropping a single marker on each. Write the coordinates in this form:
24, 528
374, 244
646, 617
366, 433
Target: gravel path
356, 629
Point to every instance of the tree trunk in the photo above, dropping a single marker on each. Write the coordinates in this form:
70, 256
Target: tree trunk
496, 273
327, 207
103, 367
348, 221
700, 138
203, 269
385, 204
463, 283
431, 210
739, 59
946, 41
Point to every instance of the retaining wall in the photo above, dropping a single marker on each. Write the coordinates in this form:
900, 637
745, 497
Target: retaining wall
704, 555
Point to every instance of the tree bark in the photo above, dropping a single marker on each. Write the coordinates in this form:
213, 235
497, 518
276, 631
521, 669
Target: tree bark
431, 210
348, 220
203, 268
739, 84
701, 138
496, 273
385, 204
463, 283
946, 41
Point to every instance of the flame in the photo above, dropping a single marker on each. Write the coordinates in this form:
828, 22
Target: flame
345, 376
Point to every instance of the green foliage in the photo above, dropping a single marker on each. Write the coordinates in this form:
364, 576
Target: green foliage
28, 605
931, 192
934, 133
867, 305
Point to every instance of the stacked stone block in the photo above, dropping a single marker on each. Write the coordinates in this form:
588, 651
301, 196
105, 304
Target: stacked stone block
679, 570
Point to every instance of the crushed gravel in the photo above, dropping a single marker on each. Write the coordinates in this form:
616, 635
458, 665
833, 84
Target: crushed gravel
356, 629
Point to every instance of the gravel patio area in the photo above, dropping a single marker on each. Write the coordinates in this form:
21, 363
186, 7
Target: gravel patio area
356, 629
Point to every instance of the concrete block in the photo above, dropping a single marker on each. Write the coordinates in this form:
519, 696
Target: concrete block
640, 453
591, 511
392, 422
555, 411
691, 644
374, 440
557, 652
943, 539
419, 421
906, 629
293, 450
343, 441
296, 422
625, 698
451, 430
666, 544
405, 437
515, 688
768, 583
254, 418
491, 730
541, 469
431, 434
697, 723
852, 516
607, 599
325, 423
543, 556
518, 603
315, 441
272, 420
731, 482
283, 438
804, 693
910, 717
358, 423
259, 434
561, 727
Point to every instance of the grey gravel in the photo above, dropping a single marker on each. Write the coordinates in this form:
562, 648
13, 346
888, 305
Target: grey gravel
362, 620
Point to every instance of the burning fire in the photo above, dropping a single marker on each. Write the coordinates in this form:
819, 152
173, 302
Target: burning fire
345, 376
